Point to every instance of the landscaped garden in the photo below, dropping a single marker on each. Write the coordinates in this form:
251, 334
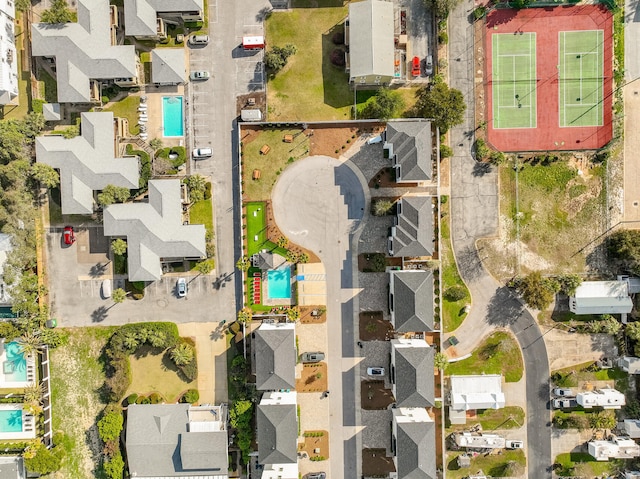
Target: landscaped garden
313, 378
498, 354
316, 445
127, 108
373, 326
256, 227
505, 464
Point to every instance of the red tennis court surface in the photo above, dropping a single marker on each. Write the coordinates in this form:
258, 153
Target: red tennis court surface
547, 22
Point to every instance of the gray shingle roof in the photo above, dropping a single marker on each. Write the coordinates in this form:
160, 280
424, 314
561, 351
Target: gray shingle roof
414, 377
416, 450
87, 162
413, 235
154, 230
413, 300
83, 51
168, 65
371, 43
275, 359
159, 443
412, 146
140, 15
277, 434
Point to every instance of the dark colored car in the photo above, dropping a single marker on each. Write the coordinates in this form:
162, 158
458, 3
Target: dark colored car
68, 236
316, 475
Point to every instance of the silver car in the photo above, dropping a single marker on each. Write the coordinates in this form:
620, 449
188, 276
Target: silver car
199, 75
182, 287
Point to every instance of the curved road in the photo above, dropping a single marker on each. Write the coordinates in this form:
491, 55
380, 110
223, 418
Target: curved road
474, 215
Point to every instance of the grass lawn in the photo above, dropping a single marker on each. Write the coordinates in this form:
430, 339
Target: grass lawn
77, 376
127, 108
152, 372
510, 417
49, 86
582, 464
492, 465
271, 164
256, 227
571, 376
201, 213
145, 59
499, 353
452, 311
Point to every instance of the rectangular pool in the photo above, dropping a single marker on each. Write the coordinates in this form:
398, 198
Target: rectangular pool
15, 423
279, 283
14, 364
172, 116
11, 421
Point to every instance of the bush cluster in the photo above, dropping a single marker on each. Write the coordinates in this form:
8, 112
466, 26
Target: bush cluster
145, 166
191, 396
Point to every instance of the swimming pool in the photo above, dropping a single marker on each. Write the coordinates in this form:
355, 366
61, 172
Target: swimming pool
172, 116
14, 366
279, 283
11, 421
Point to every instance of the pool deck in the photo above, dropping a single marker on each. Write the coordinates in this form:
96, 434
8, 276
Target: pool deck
28, 423
154, 109
269, 301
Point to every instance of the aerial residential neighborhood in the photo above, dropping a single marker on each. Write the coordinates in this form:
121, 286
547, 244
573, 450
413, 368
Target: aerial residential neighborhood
319, 239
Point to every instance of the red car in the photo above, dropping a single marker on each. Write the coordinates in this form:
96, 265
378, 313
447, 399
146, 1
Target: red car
415, 67
69, 236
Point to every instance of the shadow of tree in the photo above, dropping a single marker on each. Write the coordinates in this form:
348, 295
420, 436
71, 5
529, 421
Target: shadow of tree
98, 269
99, 314
469, 263
481, 169
503, 308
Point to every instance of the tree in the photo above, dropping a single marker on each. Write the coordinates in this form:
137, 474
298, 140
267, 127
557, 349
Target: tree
444, 105
455, 293
156, 143
182, 354
633, 330
283, 242
114, 466
130, 340
33, 124
197, 185
383, 105
602, 420
293, 314
440, 361
569, 283
156, 338
34, 393
29, 343
58, 13
610, 325
276, 58
45, 174
537, 292
243, 263
113, 194
624, 246
205, 267
110, 425
441, 8
482, 150
382, 207
23, 5
119, 247
245, 315
118, 295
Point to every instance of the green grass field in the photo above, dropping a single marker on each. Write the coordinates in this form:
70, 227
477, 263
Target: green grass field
256, 226
581, 77
514, 80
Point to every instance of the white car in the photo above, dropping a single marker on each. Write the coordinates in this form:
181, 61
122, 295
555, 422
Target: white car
375, 371
182, 287
514, 445
563, 392
199, 75
199, 153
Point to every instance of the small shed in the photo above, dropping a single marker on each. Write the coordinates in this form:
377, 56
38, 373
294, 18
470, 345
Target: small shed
251, 114
464, 461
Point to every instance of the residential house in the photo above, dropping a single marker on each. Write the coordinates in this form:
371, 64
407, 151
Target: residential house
85, 53
6, 246
148, 19
615, 447
87, 163
177, 440
155, 231
629, 364
632, 475
412, 233
479, 441
369, 35
631, 427
413, 444
277, 422
275, 356
482, 391
412, 373
605, 398
601, 297
12, 467
409, 145
411, 300
8, 54
168, 66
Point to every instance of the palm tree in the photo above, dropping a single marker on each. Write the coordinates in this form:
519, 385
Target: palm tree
245, 315
182, 354
33, 393
29, 343
130, 340
118, 295
143, 335
157, 338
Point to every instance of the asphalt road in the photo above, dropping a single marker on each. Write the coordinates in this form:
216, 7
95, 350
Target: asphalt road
474, 215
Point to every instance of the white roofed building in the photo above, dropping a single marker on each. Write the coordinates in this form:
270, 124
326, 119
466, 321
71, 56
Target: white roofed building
8, 54
615, 448
479, 441
601, 297
483, 391
629, 364
631, 427
605, 398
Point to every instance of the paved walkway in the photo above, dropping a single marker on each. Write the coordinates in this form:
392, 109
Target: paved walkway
631, 208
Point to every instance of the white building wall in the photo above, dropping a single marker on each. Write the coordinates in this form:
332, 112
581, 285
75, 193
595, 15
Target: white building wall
8, 54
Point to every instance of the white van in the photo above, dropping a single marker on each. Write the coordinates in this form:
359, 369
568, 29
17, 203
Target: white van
201, 153
199, 39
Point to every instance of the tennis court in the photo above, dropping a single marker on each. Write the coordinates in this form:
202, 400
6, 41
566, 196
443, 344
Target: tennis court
581, 77
514, 80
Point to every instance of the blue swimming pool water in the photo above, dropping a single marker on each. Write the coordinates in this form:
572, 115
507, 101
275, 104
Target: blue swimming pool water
172, 116
15, 366
11, 421
279, 283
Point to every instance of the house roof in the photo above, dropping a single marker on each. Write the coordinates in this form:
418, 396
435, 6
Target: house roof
415, 449
371, 42
275, 354
263, 260
140, 15
168, 65
413, 231
414, 384
87, 162
277, 433
83, 51
159, 444
51, 111
482, 391
154, 230
412, 147
6, 245
632, 428
8, 68
601, 297
629, 364
412, 300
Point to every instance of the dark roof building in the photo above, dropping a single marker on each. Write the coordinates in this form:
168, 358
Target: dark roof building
409, 145
414, 443
412, 365
277, 422
412, 234
275, 353
411, 300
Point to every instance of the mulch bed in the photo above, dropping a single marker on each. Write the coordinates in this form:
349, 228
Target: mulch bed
309, 382
310, 444
383, 329
307, 318
333, 141
375, 463
374, 396
385, 178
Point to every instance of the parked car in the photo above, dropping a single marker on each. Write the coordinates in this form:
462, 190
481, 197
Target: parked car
199, 75
182, 287
312, 357
564, 392
68, 235
375, 371
106, 288
514, 444
316, 475
200, 153
564, 403
415, 67
199, 39
428, 65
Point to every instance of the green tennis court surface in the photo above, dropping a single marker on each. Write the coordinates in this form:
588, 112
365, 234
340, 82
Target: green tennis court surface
514, 80
581, 77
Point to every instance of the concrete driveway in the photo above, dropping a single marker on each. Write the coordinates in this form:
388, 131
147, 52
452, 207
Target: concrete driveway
330, 198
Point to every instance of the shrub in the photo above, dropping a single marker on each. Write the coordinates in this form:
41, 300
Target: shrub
156, 398
480, 12
110, 425
105, 99
443, 38
482, 150
114, 467
455, 293
44, 461
207, 191
132, 398
191, 396
445, 151
338, 38
337, 58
